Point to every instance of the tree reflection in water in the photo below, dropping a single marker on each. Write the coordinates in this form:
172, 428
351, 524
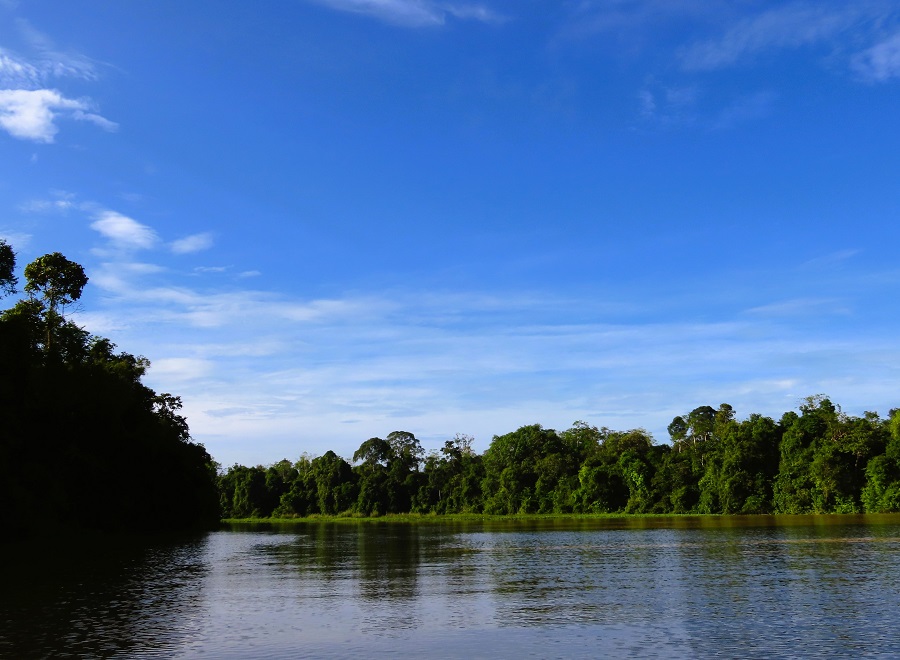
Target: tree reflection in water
100, 596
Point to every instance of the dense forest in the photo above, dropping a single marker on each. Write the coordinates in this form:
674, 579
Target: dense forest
816, 461
83, 443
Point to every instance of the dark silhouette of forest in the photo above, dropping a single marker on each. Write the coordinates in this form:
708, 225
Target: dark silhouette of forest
83, 443
816, 461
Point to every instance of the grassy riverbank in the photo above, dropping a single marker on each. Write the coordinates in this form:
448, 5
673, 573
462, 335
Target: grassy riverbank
449, 517
579, 520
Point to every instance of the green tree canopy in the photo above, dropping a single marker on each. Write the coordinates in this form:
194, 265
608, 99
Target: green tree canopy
83, 442
8, 278
58, 280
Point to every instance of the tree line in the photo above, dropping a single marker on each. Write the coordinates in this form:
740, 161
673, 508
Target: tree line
83, 443
816, 460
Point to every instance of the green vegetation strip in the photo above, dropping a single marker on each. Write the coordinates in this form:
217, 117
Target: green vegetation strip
817, 461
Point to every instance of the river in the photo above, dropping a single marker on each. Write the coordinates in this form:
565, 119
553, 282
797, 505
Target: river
749, 587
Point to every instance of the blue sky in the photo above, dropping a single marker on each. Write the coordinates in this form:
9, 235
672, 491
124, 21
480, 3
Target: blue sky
326, 220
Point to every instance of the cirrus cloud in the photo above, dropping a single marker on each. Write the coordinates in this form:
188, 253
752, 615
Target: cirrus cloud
15, 72
193, 243
788, 27
124, 232
412, 13
880, 62
29, 108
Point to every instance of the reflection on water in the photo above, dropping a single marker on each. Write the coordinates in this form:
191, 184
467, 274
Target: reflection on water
682, 587
81, 598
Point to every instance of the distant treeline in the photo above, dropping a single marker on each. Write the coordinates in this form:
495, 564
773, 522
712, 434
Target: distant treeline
816, 461
83, 443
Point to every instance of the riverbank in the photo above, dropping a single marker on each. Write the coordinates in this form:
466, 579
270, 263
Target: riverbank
452, 517
578, 521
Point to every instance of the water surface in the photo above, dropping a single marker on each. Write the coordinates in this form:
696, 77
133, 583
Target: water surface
801, 586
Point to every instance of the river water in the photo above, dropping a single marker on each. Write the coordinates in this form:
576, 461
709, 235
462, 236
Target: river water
750, 587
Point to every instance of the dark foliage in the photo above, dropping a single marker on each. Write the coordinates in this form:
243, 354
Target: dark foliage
818, 461
83, 443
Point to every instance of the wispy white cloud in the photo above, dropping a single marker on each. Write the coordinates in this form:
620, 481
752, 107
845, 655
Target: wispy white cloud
802, 307
97, 120
670, 105
47, 205
193, 243
881, 62
647, 104
862, 36
121, 280
311, 375
124, 232
15, 72
791, 26
19, 240
413, 13
384, 374
681, 106
50, 61
180, 369
472, 12
32, 114
140, 268
628, 20
833, 258
29, 107
682, 41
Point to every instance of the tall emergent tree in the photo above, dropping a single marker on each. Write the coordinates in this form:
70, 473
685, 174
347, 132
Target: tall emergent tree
8, 278
59, 282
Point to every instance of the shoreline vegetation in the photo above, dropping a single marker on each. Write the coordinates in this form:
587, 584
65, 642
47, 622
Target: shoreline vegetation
417, 518
85, 445
815, 461
704, 519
